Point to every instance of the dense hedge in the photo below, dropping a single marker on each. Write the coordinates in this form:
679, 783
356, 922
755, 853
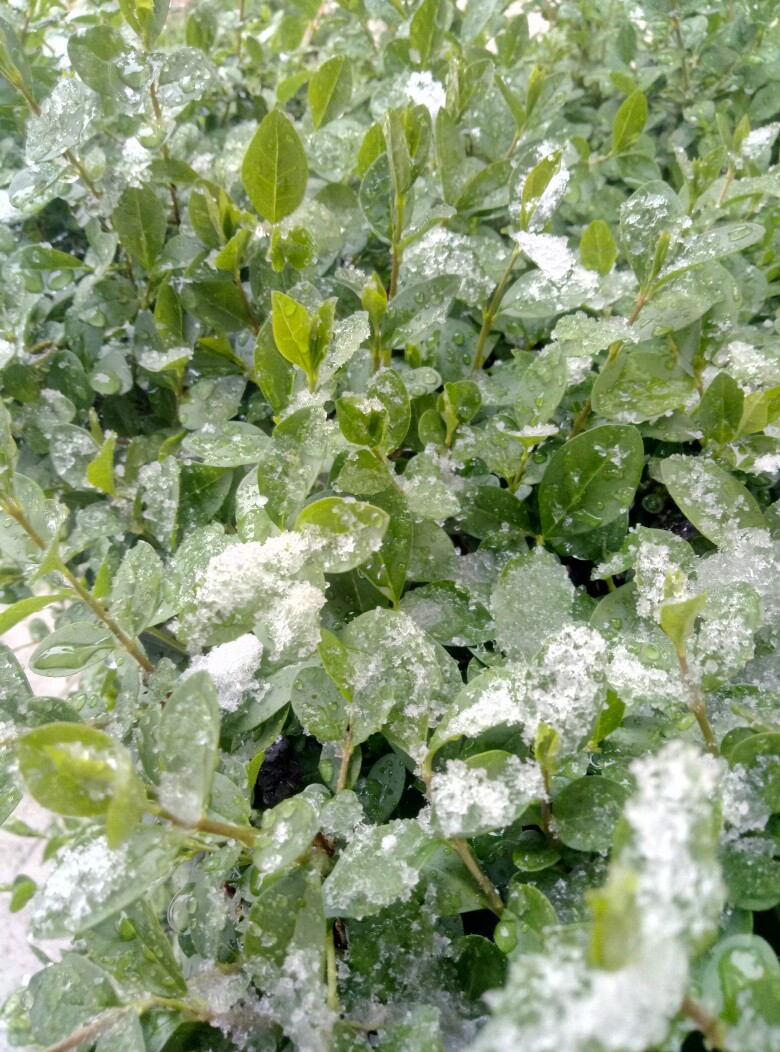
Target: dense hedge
390, 429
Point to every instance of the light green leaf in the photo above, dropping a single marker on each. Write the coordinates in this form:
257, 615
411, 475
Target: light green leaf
140, 222
136, 952
25, 607
75, 770
90, 881
188, 735
531, 601
136, 590
65, 996
275, 170
286, 833
100, 471
629, 122
379, 866
598, 250
291, 329
146, 17
319, 705
720, 410
349, 530
712, 499
228, 445
71, 648
330, 90
424, 31
641, 385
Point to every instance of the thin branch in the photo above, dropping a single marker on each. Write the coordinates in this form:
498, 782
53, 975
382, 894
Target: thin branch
346, 756
698, 706
489, 316
10, 507
246, 835
710, 1028
493, 899
582, 417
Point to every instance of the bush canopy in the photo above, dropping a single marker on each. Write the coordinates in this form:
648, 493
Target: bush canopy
390, 436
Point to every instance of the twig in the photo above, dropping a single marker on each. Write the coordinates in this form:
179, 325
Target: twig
711, 1029
489, 316
10, 507
346, 756
493, 899
582, 417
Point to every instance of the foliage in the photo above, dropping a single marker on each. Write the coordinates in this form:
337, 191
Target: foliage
390, 427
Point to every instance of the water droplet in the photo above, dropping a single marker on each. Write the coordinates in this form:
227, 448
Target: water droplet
653, 502
459, 339
178, 913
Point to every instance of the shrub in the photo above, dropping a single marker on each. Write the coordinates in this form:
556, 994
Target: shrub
390, 428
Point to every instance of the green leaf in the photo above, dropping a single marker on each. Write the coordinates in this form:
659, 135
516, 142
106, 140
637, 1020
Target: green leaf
188, 735
350, 531
598, 250
424, 31
319, 705
330, 90
106, 62
75, 770
65, 996
40, 257
586, 812
291, 329
536, 183
135, 952
387, 568
629, 122
449, 614
146, 17
100, 471
641, 385
378, 867
362, 420
531, 601
486, 792
709, 497
450, 156
678, 618
398, 153
720, 410
541, 389
654, 210
286, 833
18, 611
590, 481
388, 387
228, 445
71, 648
275, 170
90, 881
758, 754
140, 222
135, 594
